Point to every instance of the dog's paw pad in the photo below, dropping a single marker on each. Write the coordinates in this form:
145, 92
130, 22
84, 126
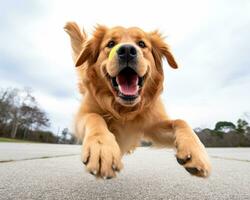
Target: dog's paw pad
197, 171
183, 161
192, 170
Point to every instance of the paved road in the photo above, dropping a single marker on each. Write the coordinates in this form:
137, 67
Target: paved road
39, 171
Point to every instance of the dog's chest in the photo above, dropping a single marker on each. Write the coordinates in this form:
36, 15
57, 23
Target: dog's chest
127, 135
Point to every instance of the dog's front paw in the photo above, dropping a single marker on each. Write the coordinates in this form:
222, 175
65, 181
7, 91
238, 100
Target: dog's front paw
192, 155
102, 156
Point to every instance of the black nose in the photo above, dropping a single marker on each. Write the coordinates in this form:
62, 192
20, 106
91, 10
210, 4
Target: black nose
127, 52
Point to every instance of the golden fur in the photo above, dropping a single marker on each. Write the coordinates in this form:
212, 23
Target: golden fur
108, 126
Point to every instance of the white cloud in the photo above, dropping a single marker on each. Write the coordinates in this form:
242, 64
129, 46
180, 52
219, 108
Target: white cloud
61, 110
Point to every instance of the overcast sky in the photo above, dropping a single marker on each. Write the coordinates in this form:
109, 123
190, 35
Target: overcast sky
210, 40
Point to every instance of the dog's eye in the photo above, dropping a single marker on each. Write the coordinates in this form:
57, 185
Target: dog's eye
111, 44
141, 44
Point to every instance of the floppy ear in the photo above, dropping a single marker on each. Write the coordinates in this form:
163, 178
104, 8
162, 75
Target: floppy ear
77, 38
161, 49
91, 47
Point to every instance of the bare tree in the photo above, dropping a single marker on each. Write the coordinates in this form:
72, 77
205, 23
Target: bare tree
7, 97
18, 108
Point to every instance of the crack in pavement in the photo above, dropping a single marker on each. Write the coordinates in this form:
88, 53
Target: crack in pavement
227, 158
37, 158
68, 155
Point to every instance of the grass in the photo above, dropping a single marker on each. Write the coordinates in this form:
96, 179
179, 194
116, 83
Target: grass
2, 139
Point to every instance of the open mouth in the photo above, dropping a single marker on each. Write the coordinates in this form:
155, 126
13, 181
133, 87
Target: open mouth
127, 84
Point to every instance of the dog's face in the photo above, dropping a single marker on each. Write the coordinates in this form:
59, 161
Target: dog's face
127, 59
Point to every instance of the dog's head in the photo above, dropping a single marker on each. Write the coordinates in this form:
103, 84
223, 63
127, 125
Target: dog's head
127, 62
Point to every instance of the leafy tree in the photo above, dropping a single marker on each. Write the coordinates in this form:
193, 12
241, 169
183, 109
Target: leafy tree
224, 126
242, 126
65, 133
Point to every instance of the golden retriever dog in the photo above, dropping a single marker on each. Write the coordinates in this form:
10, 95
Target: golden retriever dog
120, 75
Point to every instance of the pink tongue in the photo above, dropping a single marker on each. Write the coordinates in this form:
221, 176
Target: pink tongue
128, 85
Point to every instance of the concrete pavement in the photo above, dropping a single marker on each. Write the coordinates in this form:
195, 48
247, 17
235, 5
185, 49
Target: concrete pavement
38, 171
26, 151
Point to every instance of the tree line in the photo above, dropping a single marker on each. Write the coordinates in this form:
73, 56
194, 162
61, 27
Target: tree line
21, 117
226, 134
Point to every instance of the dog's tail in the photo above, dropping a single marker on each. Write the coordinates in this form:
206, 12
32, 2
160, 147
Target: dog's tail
77, 38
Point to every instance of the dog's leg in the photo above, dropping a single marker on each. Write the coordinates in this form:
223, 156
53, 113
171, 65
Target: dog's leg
100, 151
190, 153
